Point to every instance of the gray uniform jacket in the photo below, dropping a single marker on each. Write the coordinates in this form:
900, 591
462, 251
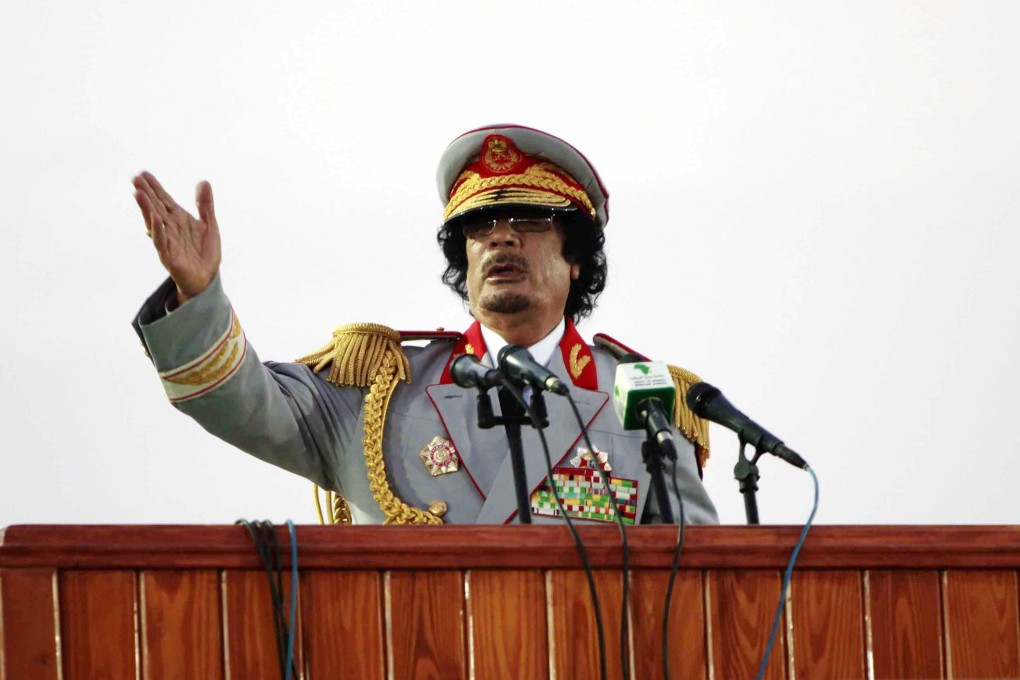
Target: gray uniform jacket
287, 415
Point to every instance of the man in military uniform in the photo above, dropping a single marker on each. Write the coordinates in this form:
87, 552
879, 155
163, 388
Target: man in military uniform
383, 424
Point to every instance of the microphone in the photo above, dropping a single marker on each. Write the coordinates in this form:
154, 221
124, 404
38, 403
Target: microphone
708, 402
467, 371
643, 395
518, 364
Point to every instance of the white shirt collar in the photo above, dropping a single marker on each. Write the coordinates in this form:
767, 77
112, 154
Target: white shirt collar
542, 350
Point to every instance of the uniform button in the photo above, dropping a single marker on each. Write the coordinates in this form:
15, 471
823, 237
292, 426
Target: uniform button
438, 508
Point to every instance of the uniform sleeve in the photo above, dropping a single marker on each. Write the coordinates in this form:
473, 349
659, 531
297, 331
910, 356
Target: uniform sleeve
281, 413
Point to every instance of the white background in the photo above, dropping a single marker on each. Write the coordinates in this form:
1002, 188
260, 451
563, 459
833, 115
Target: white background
814, 206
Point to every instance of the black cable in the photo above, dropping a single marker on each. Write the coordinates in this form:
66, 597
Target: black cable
272, 552
283, 629
624, 614
263, 535
279, 617
672, 577
255, 530
570, 527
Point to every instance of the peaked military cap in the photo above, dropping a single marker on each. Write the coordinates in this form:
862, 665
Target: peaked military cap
503, 166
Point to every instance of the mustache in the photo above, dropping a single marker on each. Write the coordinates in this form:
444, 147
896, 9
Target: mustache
503, 259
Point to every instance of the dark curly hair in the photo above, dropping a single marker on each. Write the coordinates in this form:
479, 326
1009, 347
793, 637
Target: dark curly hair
583, 244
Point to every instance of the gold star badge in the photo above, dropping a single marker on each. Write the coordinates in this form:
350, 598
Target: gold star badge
440, 457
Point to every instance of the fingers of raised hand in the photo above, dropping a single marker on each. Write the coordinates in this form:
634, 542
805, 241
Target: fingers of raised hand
156, 217
174, 218
204, 203
155, 204
146, 208
158, 191
159, 237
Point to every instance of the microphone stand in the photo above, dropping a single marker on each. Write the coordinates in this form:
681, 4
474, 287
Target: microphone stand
513, 416
652, 455
746, 472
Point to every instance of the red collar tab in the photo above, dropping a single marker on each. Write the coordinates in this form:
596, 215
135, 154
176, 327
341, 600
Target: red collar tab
578, 359
471, 342
577, 356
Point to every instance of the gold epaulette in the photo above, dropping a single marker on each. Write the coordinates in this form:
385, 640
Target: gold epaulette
694, 427
356, 354
369, 355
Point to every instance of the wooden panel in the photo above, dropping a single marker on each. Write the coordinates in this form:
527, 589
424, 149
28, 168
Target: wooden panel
97, 621
906, 623
181, 634
573, 635
251, 646
425, 625
507, 619
515, 547
828, 624
688, 656
741, 605
28, 626
973, 602
982, 624
342, 624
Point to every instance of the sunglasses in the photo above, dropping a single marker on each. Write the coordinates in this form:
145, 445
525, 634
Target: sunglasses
476, 229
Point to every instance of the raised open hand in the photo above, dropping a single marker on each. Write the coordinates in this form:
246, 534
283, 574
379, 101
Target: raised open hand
189, 248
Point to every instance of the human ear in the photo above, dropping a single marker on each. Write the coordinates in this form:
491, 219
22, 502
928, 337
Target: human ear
575, 271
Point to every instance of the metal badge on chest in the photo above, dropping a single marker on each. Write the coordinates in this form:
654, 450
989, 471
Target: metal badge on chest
440, 457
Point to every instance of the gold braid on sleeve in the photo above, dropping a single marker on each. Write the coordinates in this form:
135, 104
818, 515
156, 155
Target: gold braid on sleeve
369, 355
339, 512
694, 427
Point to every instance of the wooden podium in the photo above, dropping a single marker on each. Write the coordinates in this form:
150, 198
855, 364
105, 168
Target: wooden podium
508, 602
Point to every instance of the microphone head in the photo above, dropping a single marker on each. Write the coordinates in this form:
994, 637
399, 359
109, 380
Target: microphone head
460, 371
637, 382
711, 404
513, 361
507, 350
517, 363
467, 371
699, 396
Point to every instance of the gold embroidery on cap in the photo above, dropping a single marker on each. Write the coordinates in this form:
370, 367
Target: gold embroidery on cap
544, 176
500, 155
